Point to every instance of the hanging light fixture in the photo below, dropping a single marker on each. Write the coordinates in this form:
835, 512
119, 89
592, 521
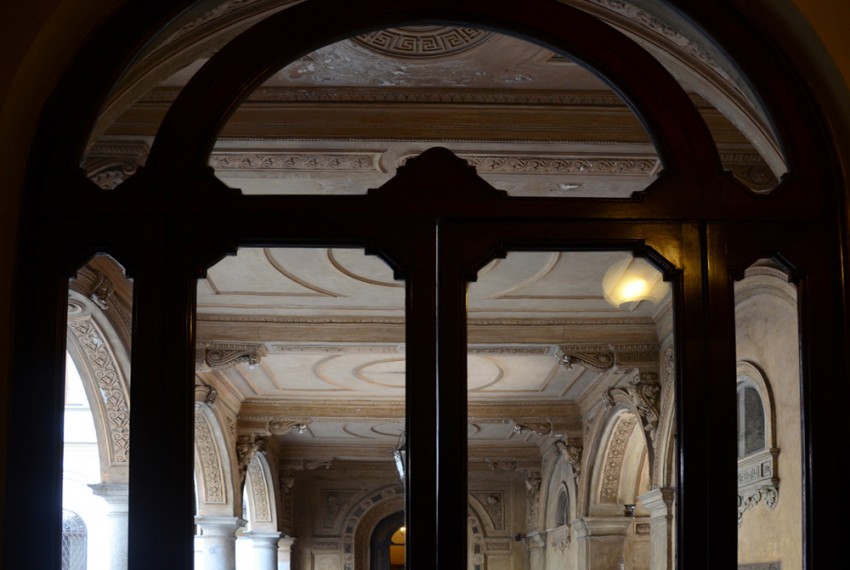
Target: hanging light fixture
632, 280
400, 455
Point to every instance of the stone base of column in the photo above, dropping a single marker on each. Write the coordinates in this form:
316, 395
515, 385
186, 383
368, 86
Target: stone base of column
116, 496
216, 541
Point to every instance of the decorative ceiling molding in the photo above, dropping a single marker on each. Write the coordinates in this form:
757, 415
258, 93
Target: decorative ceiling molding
422, 42
307, 161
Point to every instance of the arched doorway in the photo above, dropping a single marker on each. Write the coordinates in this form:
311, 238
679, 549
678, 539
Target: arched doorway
386, 545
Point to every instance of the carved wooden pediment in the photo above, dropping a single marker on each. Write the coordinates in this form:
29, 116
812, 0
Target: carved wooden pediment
437, 175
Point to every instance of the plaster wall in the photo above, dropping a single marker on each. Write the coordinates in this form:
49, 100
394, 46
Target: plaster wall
766, 335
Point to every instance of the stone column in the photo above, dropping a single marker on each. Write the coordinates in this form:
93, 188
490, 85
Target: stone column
264, 546
659, 503
601, 540
284, 553
217, 541
116, 496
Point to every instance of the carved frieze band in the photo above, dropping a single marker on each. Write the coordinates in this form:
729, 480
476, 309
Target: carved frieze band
107, 377
296, 161
228, 355
213, 473
422, 42
259, 493
584, 166
614, 458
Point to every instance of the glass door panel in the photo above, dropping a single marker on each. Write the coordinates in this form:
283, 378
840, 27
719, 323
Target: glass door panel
300, 408
96, 454
768, 384
570, 412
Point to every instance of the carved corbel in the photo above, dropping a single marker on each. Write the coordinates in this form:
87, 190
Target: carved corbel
205, 394
228, 355
247, 447
540, 428
280, 427
572, 454
595, 360
500, 465
102, 291
643, 393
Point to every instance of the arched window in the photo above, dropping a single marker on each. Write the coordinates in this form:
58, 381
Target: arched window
74, 535
562, 509
758, 480
751, 436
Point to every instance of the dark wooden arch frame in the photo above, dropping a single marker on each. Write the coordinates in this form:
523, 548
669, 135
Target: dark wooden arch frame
720, 227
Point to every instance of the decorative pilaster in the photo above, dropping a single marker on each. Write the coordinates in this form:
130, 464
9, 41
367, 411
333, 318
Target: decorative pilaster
216, 541
116, 496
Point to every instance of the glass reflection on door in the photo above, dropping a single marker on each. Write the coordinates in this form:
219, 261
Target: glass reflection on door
571, 412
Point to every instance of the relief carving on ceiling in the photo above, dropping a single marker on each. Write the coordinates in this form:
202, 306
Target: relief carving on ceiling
422, 42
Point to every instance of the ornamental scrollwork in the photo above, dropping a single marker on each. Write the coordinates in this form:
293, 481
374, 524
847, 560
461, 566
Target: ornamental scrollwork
644, 394
228, 355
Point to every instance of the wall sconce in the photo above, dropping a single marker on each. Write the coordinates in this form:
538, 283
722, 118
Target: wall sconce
632, 280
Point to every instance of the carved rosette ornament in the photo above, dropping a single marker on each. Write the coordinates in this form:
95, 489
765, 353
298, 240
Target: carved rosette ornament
229, 355
643, 393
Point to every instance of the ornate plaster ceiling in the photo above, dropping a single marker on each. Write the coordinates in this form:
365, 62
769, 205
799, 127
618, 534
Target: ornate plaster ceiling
314, 337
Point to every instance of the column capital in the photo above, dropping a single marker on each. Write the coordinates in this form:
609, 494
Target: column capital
658, 501
222, 526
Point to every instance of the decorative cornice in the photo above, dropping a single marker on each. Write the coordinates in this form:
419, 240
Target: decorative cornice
599, 360
572, 165
414, 96
757, 481
540, 428
286, 161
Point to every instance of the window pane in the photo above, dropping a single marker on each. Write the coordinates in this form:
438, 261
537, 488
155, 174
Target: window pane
571, 412
770, 487
300, 390
97, 416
